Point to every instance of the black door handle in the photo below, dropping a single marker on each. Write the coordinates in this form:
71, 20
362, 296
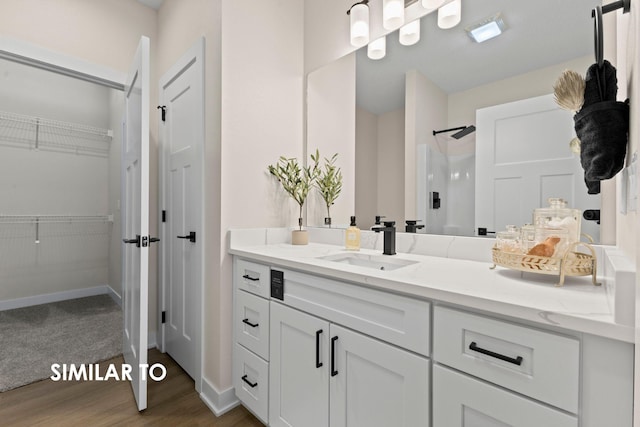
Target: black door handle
253, 279
318, 362
153, 239
247, 322
334, 371
131, 241
516, 361
191, 236
252, 385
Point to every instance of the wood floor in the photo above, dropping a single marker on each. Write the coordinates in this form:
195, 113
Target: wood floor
171, 402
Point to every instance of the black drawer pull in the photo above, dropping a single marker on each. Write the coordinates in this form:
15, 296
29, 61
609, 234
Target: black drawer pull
516, 361
246, 322
252, 385
253, 279
334, 371
318, 362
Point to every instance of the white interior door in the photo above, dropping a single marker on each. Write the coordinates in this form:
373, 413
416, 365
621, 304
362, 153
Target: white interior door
522, 159
182, 140
135, 222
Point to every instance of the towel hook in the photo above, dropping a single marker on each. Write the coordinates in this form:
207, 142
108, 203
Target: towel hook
596, 14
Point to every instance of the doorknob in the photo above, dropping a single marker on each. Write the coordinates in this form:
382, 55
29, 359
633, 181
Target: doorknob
130, 241
191, 236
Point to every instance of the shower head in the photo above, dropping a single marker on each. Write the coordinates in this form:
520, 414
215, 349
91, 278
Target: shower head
462, 131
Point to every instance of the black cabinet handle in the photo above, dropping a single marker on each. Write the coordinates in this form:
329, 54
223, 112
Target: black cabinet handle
318, 362
246, 321
191, 236
253, 279
252, 385
516, 361
334, 371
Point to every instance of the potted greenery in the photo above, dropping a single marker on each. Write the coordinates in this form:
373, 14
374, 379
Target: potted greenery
328, 182
296, 182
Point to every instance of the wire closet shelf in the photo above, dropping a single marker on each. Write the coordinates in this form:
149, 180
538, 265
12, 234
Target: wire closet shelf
36, 133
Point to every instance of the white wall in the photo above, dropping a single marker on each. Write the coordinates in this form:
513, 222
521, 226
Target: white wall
262, 118
390, 182
366, 167
43, 182
331, 95
425, 112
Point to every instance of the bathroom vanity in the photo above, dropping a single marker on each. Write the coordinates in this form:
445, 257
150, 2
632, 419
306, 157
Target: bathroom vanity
326, 337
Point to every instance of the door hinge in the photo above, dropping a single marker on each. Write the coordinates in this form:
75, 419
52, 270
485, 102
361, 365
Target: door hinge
164, 112
164, 216
164, 317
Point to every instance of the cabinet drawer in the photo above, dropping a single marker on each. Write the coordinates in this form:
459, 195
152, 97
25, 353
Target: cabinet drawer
393, 318
251, 381
252, 277
252, 323
539, 364
459, 400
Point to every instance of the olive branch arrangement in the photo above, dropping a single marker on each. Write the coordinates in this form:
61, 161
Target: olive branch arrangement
297, 181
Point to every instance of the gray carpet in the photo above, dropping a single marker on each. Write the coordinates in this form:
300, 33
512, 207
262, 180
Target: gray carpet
84, 330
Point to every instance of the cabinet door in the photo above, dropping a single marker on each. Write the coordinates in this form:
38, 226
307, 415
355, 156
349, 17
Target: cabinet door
298, 369
375, 384
463, 401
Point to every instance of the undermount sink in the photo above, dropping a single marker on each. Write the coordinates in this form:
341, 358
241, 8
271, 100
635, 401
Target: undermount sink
376, 262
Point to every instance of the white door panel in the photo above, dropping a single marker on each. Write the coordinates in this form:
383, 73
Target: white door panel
182, 140
522, 159
135, 153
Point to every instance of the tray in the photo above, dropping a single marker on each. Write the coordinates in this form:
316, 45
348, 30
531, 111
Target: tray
570, 264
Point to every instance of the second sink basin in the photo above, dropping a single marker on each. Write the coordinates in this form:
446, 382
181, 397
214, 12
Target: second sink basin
376, 262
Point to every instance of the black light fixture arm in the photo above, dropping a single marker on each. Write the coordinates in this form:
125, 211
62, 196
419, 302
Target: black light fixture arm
435, 132
366, 2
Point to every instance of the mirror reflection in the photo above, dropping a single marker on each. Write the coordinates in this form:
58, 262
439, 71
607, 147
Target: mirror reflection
440, 83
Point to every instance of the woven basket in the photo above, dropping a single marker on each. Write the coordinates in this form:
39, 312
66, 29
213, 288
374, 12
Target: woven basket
570, 264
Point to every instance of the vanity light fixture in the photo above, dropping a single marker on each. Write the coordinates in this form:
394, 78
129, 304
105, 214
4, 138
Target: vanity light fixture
410, 33
450, 14
359, 23
487, 29
392, 14
377, 49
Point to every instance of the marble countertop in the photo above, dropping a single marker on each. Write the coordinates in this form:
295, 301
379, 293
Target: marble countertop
578, 305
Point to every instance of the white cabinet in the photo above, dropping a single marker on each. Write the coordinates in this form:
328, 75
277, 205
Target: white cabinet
374, 384
538, 364
325, 353
463, 401
322, 374
251, 336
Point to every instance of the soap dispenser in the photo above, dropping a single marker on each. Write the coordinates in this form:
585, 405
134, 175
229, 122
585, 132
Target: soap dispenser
352, 236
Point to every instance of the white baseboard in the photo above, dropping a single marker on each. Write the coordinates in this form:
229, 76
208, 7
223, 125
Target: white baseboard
218, 402
56, 296
116, 297
152, 341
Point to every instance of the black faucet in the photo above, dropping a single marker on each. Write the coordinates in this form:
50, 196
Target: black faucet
412, 225
378, 218
389, 230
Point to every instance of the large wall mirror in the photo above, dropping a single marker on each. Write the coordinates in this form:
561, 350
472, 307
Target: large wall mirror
402, 170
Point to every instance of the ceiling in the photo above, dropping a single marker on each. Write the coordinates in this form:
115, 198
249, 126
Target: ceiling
538, 34
153, 4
